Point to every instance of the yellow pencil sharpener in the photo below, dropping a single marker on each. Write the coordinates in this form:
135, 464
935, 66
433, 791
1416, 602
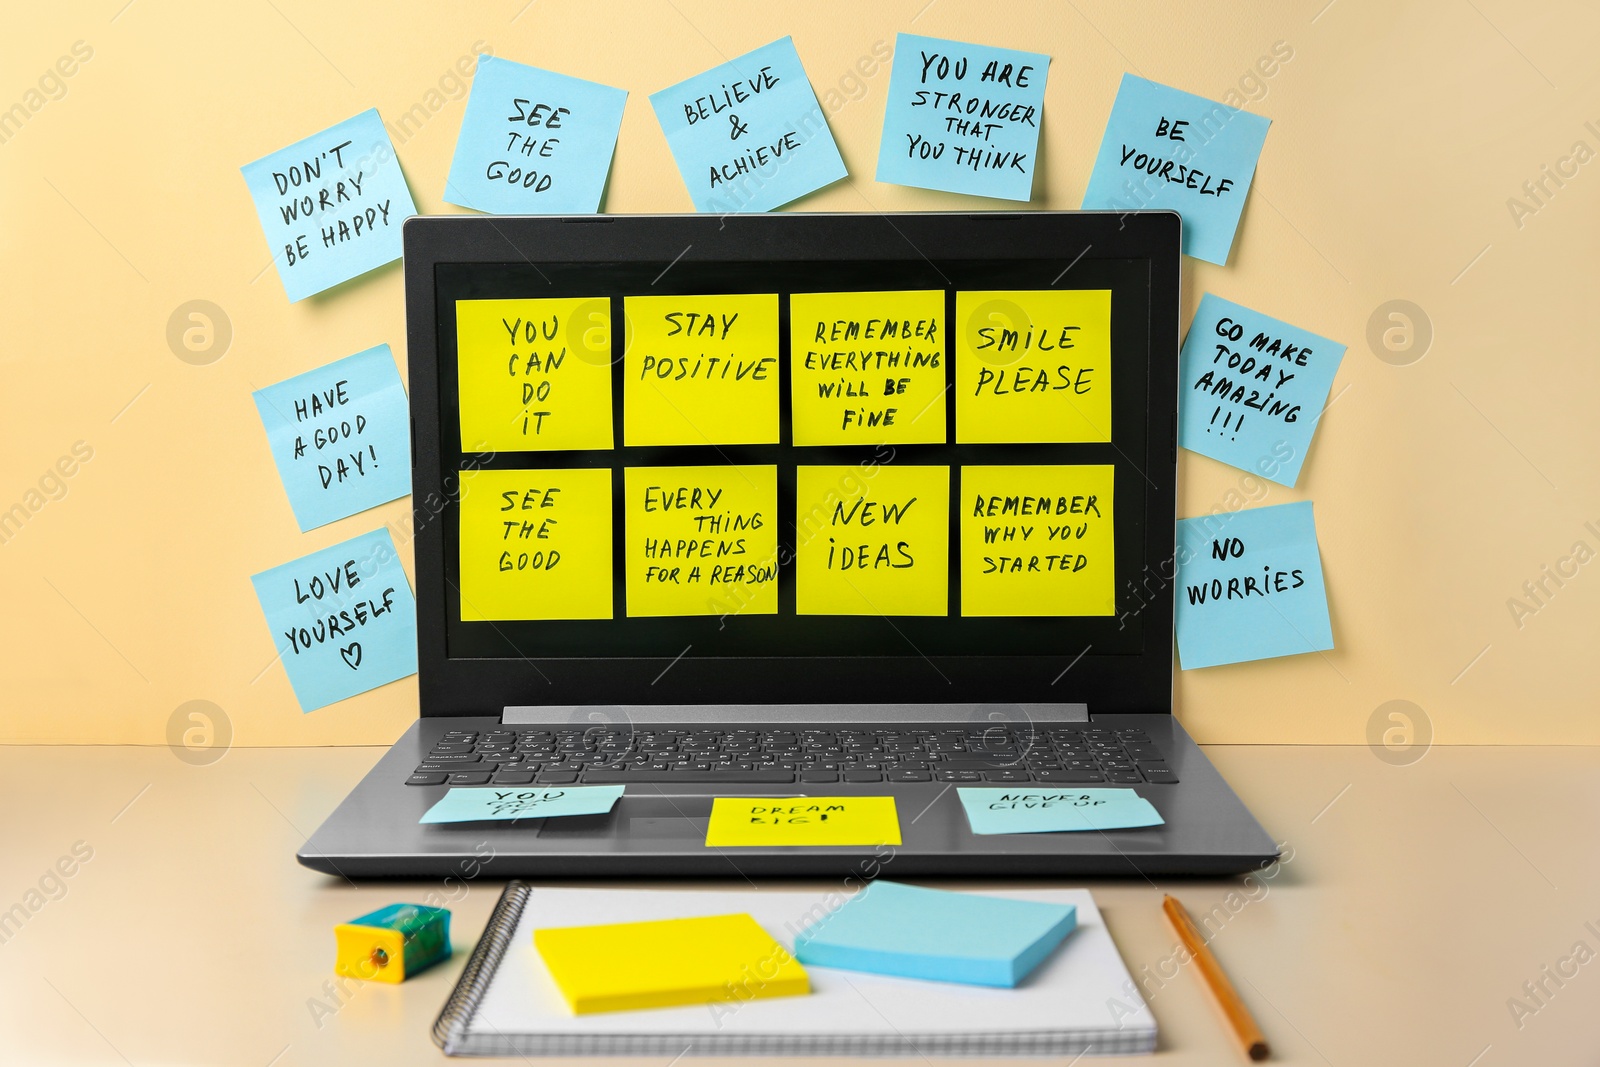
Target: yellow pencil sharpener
393, 943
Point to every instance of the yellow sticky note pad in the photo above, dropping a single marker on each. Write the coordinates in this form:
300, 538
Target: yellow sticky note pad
667, 962
534, 375
867, 368
1037, 540
701, 370
1033, 366
701, 540
536, 544
872, 542
738, 822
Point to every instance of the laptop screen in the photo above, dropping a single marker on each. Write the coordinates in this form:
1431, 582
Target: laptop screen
690, 464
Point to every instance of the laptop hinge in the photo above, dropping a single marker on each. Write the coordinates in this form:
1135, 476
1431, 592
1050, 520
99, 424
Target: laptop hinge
733, 714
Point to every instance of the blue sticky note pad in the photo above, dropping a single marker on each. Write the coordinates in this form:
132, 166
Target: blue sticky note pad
1165, 149
522, 802
534, 142
962, 117
331, 205
1252, 389
340, 435
1250, 586
936, 934
343, 619
749, 135
1039, 809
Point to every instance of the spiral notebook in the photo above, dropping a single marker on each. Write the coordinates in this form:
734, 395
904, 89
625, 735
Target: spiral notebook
1080, 1000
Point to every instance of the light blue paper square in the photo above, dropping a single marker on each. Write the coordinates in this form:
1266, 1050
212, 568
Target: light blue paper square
534, 142
1218, 144
522, 802
1253, 389
340, 435
1039, 809
372, 637
932, 136
1264, 599
749, 135
331, 205
943, 936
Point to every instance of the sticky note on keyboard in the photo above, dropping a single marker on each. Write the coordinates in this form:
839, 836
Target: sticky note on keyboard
1021, 811
873, 543
529, 802
1252, 389
1165, 149
705, 960
1250, 586
739, 822
935, 934
331, 205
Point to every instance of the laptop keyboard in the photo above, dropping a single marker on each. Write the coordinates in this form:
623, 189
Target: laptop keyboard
1058, 755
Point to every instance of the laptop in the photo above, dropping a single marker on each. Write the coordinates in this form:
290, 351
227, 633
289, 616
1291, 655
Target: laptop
786, 506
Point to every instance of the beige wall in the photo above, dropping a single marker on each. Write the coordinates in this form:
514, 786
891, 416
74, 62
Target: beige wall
1399, 133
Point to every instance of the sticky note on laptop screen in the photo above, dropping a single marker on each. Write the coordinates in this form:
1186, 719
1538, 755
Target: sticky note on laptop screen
936, 934
872, 542
1037, 540
534, 375
1033, 366
701, 370
536, 544
667, 962
867, 368
701, 540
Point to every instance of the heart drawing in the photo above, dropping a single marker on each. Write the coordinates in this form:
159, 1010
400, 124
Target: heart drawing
352, 655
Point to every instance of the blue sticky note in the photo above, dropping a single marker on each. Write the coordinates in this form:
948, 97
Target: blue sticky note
331, 205
749, 135
340, 435
962, 117
1250, 586
1252, 389
936, 934
1040, 809
534, 142
343, 619
1165, 149
522, 802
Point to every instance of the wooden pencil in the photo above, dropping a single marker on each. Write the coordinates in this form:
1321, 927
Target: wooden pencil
1239, 1018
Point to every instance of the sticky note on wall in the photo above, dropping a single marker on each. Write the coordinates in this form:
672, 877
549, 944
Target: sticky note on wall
1252, 389
962, 117
701, 370
867, 368
534, 375
536, 544
872, 543
1038, 540
1033, 366
701, 540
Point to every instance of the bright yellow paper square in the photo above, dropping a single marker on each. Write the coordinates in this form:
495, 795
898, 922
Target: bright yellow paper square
701, 540
738, 822
659, 964
534, 375
1037, 540
867, 368
554, 559
873, 543
701, 370
1033, 366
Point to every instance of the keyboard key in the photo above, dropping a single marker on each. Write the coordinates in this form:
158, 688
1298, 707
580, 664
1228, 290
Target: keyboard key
562, 777
859, 776
819, 776
1158, 773
910, 776
456, 757
958, 776
1070, 777
470, 778
512, 778
1144, 751
1124, 777
726, 776
433, 778
1007, 776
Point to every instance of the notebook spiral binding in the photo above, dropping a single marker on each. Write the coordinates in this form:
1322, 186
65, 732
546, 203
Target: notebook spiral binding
481, 966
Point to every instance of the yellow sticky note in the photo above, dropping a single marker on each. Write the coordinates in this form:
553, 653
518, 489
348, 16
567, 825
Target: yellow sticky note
535, 375
1033, 366
867, 368
701, 540
536, 544
701, 370
872, 542
659, 964
1037, 540
738, 822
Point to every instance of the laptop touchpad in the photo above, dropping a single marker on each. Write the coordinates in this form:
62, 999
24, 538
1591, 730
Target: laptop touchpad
657, 818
